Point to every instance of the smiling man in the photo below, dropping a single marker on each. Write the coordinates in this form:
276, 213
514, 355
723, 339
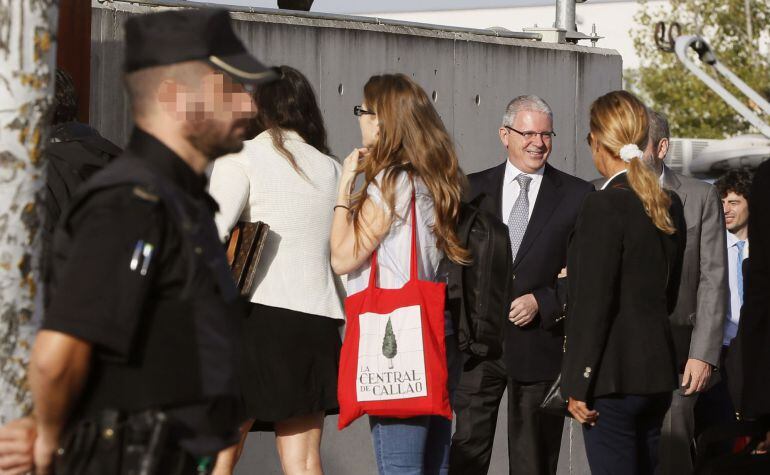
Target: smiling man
539, 204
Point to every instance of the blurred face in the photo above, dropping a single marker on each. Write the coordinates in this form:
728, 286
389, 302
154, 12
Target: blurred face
216, 115
528, 149
736, 212
370, 127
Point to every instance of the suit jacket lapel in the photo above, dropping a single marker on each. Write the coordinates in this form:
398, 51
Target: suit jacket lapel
671, 182
496, 190
548, 198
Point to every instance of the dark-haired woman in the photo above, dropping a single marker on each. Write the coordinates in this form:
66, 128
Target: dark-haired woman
407, 152
624, 262
291, 343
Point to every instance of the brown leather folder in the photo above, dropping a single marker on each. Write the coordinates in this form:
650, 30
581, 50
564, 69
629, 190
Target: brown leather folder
247, 240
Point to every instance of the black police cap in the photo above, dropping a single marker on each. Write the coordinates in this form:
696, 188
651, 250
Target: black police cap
206, 34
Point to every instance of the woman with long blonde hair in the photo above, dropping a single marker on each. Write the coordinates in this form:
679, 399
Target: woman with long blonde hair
406, 151
624, 262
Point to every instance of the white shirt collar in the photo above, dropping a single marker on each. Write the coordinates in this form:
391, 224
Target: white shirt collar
511, 172
612, 178
732, 239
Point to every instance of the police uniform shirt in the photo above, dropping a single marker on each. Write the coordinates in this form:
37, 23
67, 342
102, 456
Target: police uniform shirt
124, 260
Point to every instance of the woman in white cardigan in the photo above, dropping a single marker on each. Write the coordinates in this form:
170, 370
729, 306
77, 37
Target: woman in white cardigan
285, 178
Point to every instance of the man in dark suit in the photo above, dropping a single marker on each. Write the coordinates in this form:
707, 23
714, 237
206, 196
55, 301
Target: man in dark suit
750, 358
540, 205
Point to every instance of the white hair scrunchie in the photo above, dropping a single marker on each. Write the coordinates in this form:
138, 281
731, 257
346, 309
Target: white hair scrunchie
629, 152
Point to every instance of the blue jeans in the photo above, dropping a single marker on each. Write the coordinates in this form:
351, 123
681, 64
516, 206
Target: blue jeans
418, 445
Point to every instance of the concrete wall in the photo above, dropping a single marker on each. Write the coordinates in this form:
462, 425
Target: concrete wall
472, 75
338, 54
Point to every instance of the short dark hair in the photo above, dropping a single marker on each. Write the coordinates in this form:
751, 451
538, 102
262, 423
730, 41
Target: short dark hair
65, 99
659, 129
142, 85
735, 181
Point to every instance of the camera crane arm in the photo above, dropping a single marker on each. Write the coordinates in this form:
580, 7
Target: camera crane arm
707, 56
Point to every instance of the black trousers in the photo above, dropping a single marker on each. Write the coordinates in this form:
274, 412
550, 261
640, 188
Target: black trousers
534, 437
715, 407
626, 435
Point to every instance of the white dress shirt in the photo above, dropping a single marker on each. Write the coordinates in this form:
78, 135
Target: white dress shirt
259, 184
734, 312
511, 188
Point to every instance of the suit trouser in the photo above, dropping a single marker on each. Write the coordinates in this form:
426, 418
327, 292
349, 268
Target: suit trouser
625, 439
715, 406
677, 434
534, 437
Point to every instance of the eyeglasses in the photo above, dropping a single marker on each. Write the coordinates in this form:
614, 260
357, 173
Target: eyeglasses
358, 111
530, 135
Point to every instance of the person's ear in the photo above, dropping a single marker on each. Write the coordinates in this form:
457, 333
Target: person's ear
503, 132
168, 95
663, 148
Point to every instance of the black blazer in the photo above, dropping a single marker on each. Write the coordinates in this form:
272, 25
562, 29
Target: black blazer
533, 353
748, 361
623, 283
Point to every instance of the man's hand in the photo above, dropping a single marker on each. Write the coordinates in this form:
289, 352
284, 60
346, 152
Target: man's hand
523, 310
17, 439
696, 376
581, 413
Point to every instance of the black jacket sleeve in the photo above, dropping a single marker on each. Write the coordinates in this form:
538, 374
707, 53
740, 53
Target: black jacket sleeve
593, 263
103, 285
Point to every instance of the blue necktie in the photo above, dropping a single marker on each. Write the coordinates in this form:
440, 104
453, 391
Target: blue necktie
739, 269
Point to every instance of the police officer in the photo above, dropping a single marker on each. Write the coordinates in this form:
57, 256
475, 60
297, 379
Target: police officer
133, 370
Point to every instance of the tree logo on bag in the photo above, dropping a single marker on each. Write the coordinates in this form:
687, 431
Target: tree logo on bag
382, 336
389, 345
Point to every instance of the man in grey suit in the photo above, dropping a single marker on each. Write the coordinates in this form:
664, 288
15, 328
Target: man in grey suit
697, 320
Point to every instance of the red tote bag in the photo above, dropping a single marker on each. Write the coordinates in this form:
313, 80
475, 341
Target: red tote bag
393, 360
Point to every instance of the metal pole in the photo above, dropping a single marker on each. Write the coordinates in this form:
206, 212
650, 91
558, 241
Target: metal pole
749, 29
565, 14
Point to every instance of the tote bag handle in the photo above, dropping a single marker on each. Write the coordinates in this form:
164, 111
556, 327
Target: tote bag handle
412, 257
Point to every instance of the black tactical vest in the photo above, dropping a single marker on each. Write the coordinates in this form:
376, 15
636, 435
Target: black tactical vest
188, 349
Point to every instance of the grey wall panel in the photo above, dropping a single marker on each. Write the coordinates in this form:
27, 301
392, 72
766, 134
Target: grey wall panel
332, 51
596, 75
350, 59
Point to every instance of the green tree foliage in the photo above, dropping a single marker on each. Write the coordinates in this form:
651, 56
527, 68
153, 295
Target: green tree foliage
666, 85
389, 345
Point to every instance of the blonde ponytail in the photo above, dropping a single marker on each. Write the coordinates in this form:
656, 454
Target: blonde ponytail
619, 119
655, 200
